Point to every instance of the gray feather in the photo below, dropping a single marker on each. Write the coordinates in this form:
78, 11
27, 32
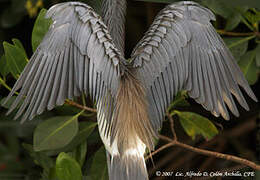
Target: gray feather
186, 51
70, 60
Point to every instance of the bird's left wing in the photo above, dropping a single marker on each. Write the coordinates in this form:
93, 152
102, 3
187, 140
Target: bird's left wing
76, 56
182, 50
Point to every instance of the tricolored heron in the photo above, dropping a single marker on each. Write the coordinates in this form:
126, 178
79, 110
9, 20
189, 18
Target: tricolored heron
82, 53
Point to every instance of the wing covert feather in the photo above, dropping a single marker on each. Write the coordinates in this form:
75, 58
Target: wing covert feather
183, 49
73, 58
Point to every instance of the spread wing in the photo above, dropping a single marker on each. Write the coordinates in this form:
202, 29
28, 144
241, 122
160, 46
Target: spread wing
181, 50
76, 55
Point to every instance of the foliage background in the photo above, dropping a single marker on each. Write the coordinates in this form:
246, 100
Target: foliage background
75, 151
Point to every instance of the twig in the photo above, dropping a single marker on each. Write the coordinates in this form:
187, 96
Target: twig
72, 103
160, 149
165, 138
172, 125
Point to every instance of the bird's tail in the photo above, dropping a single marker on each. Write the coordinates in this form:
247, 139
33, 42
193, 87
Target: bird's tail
128, 167
131, 116
132, 131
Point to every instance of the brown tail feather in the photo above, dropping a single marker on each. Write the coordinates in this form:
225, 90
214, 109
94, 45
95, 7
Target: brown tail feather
131, 119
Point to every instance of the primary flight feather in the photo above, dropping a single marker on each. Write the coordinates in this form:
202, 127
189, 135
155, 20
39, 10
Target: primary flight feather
82, 54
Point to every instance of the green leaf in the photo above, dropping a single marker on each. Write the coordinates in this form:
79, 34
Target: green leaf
195, 124
99, 169
66, 110
40, 28
80, 152
238, 46
248, 66
4, 70
233, 21
179, 100
85, 129
15, 59
18, 44
252, 17
55, 132
67, 168
235, 18
258, 55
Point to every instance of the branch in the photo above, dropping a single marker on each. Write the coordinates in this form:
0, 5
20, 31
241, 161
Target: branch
72, 103
210, 160
172, 125
236, 131
212, 153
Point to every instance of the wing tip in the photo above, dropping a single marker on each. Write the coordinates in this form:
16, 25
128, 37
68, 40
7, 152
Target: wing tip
252, 95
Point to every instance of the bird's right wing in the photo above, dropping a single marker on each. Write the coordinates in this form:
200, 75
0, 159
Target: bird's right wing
76, 55
182, 50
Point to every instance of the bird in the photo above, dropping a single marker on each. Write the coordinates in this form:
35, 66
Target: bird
83, 52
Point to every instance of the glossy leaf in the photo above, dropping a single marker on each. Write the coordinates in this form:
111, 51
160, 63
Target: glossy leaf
195, 124
40, 28
55, 132
15, 59
98, 169
4, 70
85, 129
67, 168
248, 66
18, 44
